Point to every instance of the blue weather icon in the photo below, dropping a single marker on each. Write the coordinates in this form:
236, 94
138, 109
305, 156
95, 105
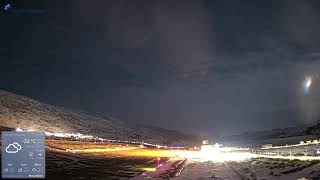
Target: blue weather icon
7, 7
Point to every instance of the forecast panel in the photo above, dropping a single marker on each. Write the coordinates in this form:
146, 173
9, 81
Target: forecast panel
23, 155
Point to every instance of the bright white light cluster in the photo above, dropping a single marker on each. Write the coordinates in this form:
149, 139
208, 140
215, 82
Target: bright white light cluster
227, 156
69, 135
214, 153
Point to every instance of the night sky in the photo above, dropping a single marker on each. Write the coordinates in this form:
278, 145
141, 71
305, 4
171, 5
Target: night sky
209, 67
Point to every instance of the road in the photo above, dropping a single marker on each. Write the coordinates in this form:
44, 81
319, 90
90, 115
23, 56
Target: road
208, 170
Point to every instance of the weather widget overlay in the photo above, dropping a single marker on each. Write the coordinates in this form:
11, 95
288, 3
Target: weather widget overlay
23, 155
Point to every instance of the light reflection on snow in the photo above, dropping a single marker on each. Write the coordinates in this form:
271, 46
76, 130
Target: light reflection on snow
214, 153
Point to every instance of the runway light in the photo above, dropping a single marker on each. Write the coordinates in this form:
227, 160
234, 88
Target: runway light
149, 169
158, 160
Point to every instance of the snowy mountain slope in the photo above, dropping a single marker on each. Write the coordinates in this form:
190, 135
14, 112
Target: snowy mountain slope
26, 113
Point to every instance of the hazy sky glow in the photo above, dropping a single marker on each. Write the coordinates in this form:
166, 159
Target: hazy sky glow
212, 67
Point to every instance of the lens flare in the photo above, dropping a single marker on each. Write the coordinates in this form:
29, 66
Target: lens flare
307, 84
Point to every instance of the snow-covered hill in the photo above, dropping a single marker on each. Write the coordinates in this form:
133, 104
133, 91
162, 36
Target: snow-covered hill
26, 113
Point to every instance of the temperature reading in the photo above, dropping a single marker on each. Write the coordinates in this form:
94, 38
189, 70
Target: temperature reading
28, 141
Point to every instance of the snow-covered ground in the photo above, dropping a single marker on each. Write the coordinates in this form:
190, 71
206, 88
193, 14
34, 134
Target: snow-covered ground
207, 170
22, 112
256, 168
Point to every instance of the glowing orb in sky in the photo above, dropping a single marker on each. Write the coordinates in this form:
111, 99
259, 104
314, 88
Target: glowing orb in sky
307, 84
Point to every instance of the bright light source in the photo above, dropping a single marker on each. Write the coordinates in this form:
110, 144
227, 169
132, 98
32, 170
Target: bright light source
214, 153
149, 169
18, 129
307, 84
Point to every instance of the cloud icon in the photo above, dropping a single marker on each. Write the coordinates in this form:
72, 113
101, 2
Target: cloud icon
17, 145
13, 148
